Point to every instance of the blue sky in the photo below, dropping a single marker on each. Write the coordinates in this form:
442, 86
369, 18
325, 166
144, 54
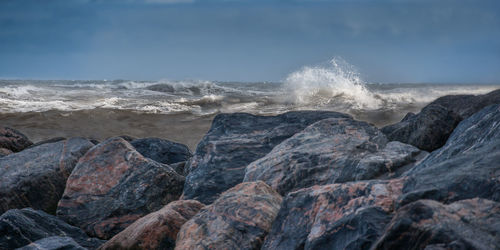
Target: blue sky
249, 40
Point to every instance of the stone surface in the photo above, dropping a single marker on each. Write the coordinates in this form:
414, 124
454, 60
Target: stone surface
234, 141
13, 140
53, 243
466, 224
239, 219
157, 230
336, 216
161, 150
51, 140
20, 227
467, 105
36, 177
331, 151
113, 185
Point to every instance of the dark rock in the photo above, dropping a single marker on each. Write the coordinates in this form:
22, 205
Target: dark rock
20, 227
36, 177
5, 152
113, 185
467, 166
127, 138
234, 141
239, 219
331, 151
179, 167
466, 224
53, 243
13, 140
51, 140
157, 230
467, 105
161, 150
428, 130
336, 216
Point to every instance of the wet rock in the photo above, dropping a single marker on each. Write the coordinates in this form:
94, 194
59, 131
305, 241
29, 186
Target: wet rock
234, 141
161, 150
157, 230
20, 227
36, 177
239, 219
113, 185
331, 151
466, 224
336, 216
467, 166
13, 140
427, 130
53, 243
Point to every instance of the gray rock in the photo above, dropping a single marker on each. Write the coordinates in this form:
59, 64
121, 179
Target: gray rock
161, 150
53, 243
13, 140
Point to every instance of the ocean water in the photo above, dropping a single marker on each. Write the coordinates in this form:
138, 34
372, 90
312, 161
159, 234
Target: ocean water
182, 110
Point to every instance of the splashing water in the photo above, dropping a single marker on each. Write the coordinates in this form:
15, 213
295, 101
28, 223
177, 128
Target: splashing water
338, 82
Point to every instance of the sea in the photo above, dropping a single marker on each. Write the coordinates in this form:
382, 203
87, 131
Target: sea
182, 111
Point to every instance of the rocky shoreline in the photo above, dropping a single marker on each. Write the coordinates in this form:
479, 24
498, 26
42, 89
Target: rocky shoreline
300, 180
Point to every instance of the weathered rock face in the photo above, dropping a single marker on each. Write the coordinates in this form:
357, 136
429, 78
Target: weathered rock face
427, 130
51, 140
36, 177
467, 105
331, 151
466, 224
113, 185
161, 150
467, 166
53, 243
239, 219
20, 227
336, 216
13, 140
234, 141
157, 230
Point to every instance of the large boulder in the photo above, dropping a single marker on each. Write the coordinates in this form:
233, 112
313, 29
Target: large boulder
467, 105
13, 140
234, 141
331, 151
467, 166
20, 227
53, 243
239, 219
36, 177
466, 224
113, 185
336, 216
161, 150
157, 230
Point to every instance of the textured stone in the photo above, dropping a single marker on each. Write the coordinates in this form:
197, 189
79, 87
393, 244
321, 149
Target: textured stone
466, 224
157, 230
13, 140
234, 141
239, 219
161, 150
36, 177
113, 185
20, 227
336, 216
331, 151
467, 105
53, 243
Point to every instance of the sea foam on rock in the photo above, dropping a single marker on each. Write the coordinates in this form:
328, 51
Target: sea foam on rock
331, 151
234, 141
113, 185
36, 177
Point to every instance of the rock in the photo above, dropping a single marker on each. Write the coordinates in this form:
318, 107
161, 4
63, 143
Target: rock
113, 185
157, 230
337, 216
5, 152
466, 224
179, 167
161, 150
467, 166
331, 151
234, 141
428, 130
53, 243
13, 140
467, 105
51, 140
20, 227
36, 177
239, 219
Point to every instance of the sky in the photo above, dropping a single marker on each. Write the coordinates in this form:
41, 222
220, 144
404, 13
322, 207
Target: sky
442, 41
